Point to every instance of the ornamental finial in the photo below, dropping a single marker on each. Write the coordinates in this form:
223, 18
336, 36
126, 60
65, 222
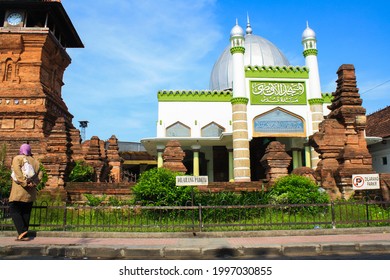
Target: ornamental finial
248, 25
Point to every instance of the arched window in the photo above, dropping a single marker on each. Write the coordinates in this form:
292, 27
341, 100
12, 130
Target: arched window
212, 130
278, 122
178, 130
8, 74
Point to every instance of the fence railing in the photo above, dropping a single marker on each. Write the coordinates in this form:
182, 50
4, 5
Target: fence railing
203, 218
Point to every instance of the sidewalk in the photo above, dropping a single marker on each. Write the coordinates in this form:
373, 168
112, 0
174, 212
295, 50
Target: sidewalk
217, 245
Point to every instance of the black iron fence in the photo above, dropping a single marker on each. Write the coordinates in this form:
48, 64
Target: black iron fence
46, 217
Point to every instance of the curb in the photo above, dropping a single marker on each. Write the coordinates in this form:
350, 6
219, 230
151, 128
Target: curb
125, 253
219, 234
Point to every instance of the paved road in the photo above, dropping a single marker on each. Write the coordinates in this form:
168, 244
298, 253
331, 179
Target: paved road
367, 243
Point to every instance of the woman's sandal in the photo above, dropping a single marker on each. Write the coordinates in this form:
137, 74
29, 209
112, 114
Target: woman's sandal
23, 237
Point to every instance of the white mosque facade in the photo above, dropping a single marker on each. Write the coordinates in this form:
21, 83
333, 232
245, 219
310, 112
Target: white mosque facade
255, 97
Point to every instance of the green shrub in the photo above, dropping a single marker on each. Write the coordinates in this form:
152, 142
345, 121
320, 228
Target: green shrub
44, 179
81, 172
5, 174
93, 200
5, 181
157, 186
295, 189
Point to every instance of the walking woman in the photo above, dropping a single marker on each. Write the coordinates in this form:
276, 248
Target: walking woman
23, 192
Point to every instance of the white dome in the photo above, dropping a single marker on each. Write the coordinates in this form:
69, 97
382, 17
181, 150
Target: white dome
237, 31
258, 52
308, 33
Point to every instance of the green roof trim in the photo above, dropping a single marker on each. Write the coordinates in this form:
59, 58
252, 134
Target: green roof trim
194, 95
328, 97
314, 101
277, 72
239, 100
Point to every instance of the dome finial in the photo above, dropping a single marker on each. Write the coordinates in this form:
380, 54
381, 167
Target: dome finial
237, 30
308, 33
248, 25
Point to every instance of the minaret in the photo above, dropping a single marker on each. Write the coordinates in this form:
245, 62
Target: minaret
310, 52
241, 158
309, 43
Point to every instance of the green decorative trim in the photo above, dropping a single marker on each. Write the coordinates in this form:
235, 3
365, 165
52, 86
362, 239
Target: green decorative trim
327, 96
238, 49
277, 72
239, 100
194, 96
310, 52
315, 101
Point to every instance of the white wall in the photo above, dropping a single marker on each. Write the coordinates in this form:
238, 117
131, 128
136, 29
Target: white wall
195, 115
378, 152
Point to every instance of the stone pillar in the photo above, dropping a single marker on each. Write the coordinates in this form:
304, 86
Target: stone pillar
173, 157
160, 161
296, 158
307, 156
242, 172
231, 164
195, 149
275, 161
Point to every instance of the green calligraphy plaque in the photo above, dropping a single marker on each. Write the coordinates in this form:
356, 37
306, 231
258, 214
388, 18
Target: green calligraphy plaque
277, 93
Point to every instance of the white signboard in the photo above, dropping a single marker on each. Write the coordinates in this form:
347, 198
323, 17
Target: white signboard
192, 180
365, 182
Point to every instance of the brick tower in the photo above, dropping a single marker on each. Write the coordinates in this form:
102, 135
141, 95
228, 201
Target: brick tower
34, 36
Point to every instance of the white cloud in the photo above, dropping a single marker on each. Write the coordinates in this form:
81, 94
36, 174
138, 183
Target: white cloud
131, 51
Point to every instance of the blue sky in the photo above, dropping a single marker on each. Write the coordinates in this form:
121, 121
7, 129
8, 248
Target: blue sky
134, 48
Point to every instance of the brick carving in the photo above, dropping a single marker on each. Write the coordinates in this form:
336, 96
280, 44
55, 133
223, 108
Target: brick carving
173, 156
275, 161
114, 160
340, 141
95, 156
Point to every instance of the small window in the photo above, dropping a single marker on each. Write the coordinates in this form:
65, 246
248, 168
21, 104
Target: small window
212, 130
384, 160
178, 130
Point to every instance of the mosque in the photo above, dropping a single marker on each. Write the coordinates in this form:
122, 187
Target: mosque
256, 96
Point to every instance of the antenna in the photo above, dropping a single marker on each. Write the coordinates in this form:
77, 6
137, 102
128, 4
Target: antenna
83, 125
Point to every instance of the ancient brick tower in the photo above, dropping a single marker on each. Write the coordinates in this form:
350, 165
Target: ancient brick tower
34, 36
340, 140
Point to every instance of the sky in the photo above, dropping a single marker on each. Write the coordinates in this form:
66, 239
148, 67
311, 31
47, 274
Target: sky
135, 48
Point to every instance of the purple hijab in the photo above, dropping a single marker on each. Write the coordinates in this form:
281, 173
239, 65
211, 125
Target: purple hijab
25, 149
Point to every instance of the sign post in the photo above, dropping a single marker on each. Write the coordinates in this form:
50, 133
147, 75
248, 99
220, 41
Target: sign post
192, 181
365, 182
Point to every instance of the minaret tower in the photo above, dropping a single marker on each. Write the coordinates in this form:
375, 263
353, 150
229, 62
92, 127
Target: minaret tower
310, 52
241, 157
